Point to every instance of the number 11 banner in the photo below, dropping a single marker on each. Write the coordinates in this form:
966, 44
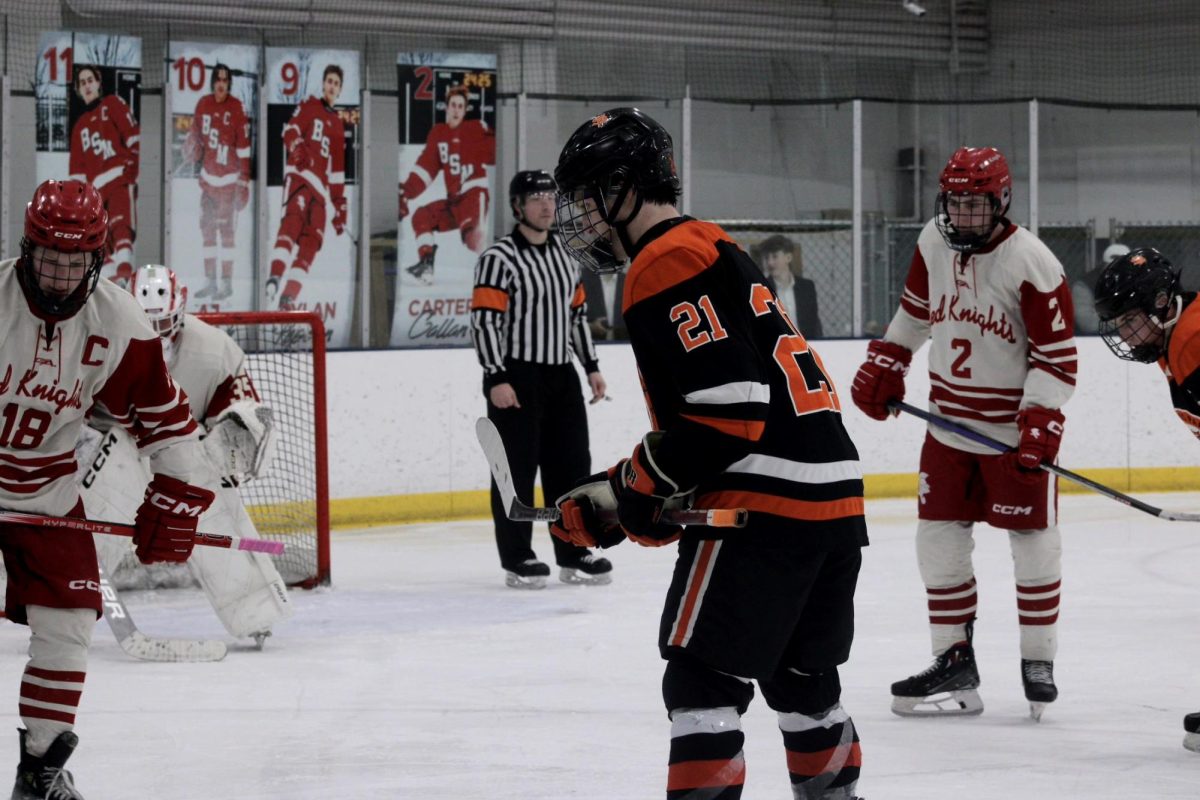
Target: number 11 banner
212, 91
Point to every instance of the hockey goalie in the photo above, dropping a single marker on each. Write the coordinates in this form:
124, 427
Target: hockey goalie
245, 589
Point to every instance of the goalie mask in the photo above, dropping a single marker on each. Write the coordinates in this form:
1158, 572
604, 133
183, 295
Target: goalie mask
1138, 301
611, 156
974, 193
66, 233
162, 297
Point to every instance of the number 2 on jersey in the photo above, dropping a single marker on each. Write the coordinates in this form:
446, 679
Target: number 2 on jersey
810, 388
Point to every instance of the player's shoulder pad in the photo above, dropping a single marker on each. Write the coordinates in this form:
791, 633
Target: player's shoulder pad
1028, 259
678, 255
208, 337
116, 312
1183, 349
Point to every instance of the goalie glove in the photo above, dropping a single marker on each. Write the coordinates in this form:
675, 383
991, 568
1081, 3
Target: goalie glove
241, 443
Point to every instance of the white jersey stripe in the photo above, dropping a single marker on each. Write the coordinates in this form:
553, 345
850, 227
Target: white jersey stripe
728, 393
798, 471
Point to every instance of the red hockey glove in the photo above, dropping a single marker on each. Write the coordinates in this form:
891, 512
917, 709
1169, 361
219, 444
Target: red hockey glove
298, 155
167, 519
643, 491
339, 215
129, 168
241, 194
880, 379
1041, 434
580, 523
403, 212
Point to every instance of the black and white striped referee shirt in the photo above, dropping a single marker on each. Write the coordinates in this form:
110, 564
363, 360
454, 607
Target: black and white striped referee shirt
528, 305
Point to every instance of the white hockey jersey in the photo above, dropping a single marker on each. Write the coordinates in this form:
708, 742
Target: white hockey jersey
1001, 328
53, 373
210, 367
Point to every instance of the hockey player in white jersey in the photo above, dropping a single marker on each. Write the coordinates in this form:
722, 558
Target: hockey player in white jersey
994, 304
245, 588
69, 345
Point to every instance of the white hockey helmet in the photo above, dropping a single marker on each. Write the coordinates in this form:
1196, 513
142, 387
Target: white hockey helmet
1113, 251
162, 297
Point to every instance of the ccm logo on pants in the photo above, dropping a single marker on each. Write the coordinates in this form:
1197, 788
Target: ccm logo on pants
173, 506
84, 584
1012, 510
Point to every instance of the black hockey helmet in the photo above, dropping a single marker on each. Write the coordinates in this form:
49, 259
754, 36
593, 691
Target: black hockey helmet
529, 181
1142, 280
606, 157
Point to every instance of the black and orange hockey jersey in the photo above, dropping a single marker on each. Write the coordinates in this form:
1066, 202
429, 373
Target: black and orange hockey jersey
749, 415
1182, 364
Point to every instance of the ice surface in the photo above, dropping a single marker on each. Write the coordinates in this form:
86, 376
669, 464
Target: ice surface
419, 675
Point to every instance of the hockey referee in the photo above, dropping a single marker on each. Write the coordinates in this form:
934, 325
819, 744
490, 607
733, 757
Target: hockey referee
527, 314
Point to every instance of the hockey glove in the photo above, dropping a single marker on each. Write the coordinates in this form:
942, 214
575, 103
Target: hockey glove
339, 215
129, 168
1041, 434
581, 508
643, 492
167, 519
403, 211
298, 155
241, 194
880, 379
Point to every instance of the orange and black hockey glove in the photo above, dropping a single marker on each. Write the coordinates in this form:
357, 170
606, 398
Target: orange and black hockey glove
582, 509
880, 379
165, 525
643, 492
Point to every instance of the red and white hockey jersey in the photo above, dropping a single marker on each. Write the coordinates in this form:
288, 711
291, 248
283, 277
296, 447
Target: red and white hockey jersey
461, 154
210, 367
221, 133
324, 135
52, 374
1001, 328
104, 144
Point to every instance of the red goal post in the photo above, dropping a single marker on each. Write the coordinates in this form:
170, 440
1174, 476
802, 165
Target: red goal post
285, 356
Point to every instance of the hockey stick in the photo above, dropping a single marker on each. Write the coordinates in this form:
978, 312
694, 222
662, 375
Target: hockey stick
1074, 477
148, 648
493, 448
120, 529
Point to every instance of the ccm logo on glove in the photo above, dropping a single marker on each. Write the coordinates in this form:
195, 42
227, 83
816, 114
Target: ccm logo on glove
175, 506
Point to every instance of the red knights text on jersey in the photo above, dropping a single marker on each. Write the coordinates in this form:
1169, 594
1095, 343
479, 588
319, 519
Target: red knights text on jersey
461, 154
321, 129
222, 132
210, 367
104, 144
105, 357
1001, 328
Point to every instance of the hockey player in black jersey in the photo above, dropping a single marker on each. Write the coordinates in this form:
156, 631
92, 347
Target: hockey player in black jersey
745, 416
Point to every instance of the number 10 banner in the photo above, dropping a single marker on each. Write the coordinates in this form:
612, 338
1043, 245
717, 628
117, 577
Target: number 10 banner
212, 93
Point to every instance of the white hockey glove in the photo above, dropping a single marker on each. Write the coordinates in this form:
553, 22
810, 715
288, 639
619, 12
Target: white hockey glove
241, 443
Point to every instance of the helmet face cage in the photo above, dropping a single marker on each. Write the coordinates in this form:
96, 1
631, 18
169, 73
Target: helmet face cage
161, 297
36, 268
980, 222
1134, 297
584, 217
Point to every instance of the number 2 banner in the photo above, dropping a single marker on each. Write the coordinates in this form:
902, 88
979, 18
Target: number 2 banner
313, 113
212, 92
447, 166
87, 91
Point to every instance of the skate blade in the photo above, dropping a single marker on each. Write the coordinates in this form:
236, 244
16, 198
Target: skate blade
1192, 742
579, 578
958, 703
515, 581
1036, 710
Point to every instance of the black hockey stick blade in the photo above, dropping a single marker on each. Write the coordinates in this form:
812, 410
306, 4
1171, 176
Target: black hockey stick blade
1053, 469
497, 456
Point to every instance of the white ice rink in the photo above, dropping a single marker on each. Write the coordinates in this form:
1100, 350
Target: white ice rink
419, 675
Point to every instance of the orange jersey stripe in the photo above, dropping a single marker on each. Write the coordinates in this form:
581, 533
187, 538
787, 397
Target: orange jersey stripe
811, 510
579, 298
691, 598
495, 299
741, 428
704, 774
679, 254
823, 761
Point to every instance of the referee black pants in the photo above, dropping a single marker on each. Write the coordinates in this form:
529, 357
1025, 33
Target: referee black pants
549, 431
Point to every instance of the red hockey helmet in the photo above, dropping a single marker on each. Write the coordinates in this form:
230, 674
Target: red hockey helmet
979, 171
62, 217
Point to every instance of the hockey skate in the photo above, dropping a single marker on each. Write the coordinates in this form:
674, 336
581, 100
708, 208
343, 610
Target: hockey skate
423, 269
947, 688
41, 777
225, 291
209, 290
529, 574
1038, 678
589, 570
1191, 739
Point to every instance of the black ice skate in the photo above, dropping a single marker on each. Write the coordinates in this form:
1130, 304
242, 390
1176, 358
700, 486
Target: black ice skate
423, 269
947, 688
1038, 678
589, 570
43, 777
529, 574
1191, 739
209, 289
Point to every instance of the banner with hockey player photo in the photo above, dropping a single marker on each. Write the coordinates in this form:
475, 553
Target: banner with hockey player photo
212, 92
313, 112
87, 90
447, 166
